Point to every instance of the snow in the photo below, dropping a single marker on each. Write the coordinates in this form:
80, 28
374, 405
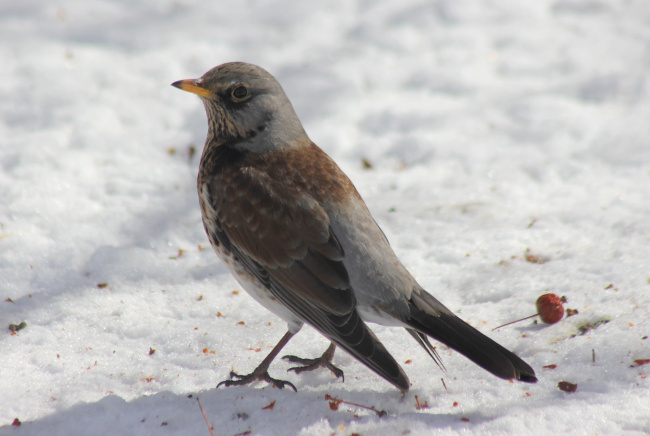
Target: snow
492, 128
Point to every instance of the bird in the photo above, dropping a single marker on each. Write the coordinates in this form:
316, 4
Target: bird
295, 233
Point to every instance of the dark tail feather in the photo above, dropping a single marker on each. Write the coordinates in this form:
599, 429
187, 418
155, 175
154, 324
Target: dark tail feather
430, 317
422, 339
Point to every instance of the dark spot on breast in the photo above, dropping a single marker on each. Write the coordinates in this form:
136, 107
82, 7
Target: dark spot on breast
251, 134
261, 128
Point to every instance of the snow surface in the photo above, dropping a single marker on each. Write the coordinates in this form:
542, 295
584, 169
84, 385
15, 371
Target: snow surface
492, 127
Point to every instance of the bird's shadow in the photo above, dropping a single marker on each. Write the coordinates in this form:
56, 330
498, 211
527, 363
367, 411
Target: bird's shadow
234, 411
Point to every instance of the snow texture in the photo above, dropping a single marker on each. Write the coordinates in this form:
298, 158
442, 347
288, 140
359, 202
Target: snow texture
509, 145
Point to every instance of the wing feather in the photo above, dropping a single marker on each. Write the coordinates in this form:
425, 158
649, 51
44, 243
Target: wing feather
282, 236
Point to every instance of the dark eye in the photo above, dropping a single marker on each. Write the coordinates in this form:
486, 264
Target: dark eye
240, 92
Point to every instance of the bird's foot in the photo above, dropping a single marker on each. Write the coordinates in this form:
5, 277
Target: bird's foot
260, 374
324, 361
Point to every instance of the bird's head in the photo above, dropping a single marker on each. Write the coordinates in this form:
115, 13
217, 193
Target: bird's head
246, 107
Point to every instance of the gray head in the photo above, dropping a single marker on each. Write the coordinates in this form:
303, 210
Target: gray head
246, 107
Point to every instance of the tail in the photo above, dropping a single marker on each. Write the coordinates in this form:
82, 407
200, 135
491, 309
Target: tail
429, 316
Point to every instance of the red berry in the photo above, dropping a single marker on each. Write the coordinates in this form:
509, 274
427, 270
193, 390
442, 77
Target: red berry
550, 309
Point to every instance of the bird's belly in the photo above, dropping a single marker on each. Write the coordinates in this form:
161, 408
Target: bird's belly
257, 290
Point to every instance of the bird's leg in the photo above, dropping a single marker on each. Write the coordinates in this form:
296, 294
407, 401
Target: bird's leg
324, 361
261, 372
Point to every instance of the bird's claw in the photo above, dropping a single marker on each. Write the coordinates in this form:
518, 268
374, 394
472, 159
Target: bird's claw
312, 364
255, 376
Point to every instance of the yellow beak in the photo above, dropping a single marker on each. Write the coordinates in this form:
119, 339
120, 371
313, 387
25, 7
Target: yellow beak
190, 85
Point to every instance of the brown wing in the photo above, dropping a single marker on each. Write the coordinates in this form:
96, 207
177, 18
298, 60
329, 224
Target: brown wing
289, 237
283, 237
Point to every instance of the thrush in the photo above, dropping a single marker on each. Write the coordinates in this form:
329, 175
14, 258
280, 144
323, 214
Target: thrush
295, 233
